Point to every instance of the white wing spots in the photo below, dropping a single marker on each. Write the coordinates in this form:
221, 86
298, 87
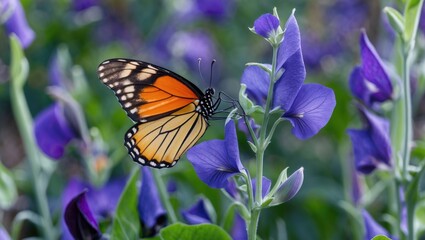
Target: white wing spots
142, 161
143, 120
129, 135
119, 91
101, 74
116, 84
110, 85
134, 130
130, 95
126, 72
104, 80
174, 163
152, 67
162, 165
152, 163
129, 89
121, 60
133, 110
149, 70
143, 76
136, 151
123, 98
135, 63
125, 82
132, 155
127, 104
133, 142
128, 143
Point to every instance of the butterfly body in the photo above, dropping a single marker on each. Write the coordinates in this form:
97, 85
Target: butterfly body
170, 112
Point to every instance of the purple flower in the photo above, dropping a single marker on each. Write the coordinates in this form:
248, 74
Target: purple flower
242, 127
238, 231
257, 82
217, 160
81, 5
372, 144
17, 23
266, 183
214, 9
311, 110
197, 214
370, 82
266, 25
3, 234
290, 61
372, 228
308, 107
79, 219
152, 213
190, 46
53, 131
101, 200
422, 20
289, 188
341, 18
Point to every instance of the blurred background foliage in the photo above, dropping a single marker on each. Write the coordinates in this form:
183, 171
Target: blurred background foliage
174, 34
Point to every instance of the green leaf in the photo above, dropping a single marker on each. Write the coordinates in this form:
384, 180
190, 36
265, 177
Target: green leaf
412, 13
126, 223
8, 192
248, 106
179, 231
381, 237
420, 215
396, 19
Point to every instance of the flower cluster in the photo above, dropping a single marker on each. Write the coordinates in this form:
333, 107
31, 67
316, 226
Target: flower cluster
266, 88
371, 85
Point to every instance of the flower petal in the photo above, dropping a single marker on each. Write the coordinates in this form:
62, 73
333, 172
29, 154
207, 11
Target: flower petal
4, 235
257, 83
266, 186
374, 71
217, 160
17, 24
238, 231
363, 151
371, 145
52, 131
311, 110
152, 213
266, 24
358, 86
291, 43
197, 214
288, 85
372, 228
80, 220
289, 188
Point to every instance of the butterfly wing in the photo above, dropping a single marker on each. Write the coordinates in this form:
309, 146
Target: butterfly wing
145, 91
161, 142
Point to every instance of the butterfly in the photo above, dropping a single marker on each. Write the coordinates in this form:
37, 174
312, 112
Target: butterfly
170, 113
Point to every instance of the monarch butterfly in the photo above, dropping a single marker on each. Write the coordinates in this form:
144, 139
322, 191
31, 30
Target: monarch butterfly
170, 112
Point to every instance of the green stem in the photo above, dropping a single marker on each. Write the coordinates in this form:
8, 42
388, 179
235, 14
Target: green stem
407, 136
261, 147
25, 126
165, 198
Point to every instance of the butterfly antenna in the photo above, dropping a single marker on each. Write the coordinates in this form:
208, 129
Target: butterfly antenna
199, 70
211, 71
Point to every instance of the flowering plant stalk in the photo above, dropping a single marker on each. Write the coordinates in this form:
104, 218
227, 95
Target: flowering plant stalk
269, 95
40, 168
387, 140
